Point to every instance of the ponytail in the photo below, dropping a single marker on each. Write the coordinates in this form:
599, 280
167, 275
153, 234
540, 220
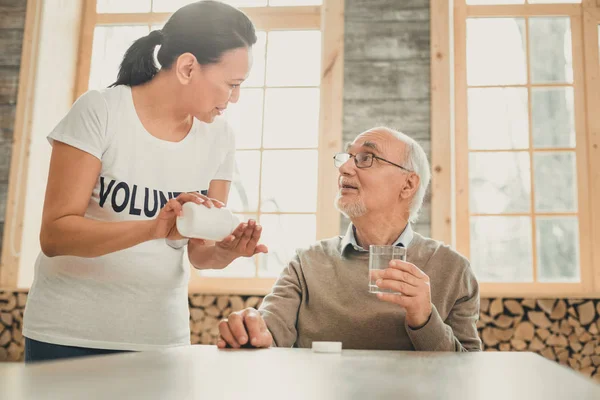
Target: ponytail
138, 65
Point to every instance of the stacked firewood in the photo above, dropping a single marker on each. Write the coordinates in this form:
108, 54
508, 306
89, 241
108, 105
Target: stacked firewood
565, 331
12, 342
206, 312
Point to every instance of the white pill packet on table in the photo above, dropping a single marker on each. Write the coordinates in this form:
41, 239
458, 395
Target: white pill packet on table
327, 347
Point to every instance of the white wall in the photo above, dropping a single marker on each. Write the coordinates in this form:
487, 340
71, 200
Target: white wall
53, 96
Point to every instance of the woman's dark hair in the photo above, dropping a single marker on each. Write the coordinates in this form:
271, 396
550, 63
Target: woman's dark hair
205, 29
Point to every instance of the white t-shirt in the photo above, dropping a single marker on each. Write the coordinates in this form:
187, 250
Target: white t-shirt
137, 298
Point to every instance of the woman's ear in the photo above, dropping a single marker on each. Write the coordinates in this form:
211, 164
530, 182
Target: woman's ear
184, 67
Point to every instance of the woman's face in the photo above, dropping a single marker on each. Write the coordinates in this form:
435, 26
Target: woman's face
213, 86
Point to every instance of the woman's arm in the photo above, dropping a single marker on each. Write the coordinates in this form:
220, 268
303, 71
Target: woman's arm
65, 231
243, 242
219, 190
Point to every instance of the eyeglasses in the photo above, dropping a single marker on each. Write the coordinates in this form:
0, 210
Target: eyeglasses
361, 160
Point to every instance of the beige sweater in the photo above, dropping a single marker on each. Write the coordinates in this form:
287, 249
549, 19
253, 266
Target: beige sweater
322, 295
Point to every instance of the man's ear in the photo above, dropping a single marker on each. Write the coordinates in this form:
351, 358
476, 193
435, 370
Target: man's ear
410, 186
184, 68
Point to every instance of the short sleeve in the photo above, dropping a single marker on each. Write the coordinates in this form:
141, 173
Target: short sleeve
227, 167
84, 126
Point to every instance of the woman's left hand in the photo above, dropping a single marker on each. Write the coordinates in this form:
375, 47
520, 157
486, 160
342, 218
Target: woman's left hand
243, 241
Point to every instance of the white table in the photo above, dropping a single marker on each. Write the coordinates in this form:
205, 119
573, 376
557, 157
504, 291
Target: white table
204, 372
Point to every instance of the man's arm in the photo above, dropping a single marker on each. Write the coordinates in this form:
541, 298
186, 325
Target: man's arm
275, 322
459, 331
424, 325
280, 308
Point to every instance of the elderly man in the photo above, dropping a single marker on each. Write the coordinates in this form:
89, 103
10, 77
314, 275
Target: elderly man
322, 294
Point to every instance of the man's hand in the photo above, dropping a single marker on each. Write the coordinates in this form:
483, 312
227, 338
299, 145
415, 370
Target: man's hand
414, 285
246, 327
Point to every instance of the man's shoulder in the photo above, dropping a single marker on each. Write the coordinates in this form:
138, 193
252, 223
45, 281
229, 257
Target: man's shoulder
329, 247
318, 253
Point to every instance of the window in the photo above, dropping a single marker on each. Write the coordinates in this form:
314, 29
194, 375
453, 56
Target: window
287, 122
523, 149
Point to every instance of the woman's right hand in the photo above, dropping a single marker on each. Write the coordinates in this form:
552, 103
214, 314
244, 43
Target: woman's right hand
164, 226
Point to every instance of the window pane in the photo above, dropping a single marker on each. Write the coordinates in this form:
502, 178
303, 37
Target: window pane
501, 249
553, 117
245, 118
284, 234
499, 183
555, 177
108, 48
553, 1
120, 6
285, 126
496, 51
294, 191
551, 56
174, 5
257, 72
558, 249
294, 58
498, 119
243, 267
244, 187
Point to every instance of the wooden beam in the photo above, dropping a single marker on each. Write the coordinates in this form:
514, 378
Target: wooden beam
535, 290
461, 139
86, 39
592, 98
17, 186
523, 10
264, 18
330, 118
441, 116
240, 286
582, 154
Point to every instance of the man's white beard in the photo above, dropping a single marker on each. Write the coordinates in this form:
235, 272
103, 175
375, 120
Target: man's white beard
350, 210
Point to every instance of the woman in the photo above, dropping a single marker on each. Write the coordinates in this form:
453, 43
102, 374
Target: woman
110, 276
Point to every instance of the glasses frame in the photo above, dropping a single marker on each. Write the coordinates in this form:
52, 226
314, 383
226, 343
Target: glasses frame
370, 156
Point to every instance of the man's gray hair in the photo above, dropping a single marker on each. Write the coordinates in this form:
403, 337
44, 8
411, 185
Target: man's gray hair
416, 160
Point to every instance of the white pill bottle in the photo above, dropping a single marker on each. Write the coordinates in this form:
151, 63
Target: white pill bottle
201, 222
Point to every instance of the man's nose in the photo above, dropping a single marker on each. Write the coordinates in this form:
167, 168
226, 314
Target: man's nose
347, 168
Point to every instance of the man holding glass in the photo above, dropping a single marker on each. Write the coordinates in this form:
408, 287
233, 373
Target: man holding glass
424, 298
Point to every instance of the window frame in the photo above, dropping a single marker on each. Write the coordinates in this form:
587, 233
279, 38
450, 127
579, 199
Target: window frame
450, 180
591, 33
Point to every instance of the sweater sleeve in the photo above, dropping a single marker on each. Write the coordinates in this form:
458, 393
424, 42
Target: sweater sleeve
280, 308
458, 332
